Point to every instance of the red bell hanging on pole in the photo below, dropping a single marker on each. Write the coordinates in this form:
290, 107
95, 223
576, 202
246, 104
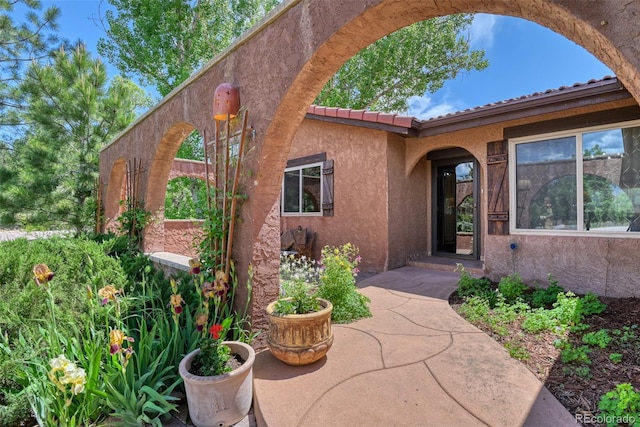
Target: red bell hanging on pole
226, 101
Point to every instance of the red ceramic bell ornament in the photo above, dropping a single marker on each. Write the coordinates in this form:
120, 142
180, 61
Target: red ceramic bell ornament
226, 100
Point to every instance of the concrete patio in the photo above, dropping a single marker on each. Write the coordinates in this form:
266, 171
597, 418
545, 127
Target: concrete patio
414, 363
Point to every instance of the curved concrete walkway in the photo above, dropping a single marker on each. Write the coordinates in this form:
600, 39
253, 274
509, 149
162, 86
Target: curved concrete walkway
414, 363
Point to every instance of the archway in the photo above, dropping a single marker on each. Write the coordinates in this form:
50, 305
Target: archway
281, 65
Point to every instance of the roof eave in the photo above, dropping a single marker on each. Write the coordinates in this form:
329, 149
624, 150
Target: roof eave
565, 99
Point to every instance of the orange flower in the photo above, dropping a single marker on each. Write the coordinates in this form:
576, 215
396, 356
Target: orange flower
215, 331
221, 285
116, 338
201, 320
42, 274
108, 293
176, 303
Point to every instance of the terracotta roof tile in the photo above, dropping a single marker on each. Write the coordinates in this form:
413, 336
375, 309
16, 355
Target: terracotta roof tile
331, 112
403, 121
344, 113
356, 114
408, 121
370, 116
575, 86
386, 118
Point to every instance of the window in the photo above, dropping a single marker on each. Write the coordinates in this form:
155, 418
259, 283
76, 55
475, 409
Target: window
586, 180
302, 190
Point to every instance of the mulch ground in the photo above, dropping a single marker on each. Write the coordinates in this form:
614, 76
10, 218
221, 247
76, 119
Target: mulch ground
579, 387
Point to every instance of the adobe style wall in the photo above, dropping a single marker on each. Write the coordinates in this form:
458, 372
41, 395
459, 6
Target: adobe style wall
280, 67
603, 265
360, 186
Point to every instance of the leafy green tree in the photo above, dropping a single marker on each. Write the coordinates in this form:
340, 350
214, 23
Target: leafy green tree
409, 62
186, 199
73, 111
32, 39
164, 41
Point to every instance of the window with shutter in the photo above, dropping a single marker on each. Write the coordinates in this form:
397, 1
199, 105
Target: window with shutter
307, 186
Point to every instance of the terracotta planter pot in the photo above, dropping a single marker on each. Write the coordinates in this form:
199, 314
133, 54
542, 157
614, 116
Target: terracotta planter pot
222, 400
300, 339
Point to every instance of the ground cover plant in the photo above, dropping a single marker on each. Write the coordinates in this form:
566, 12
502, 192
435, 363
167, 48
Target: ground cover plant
585, 349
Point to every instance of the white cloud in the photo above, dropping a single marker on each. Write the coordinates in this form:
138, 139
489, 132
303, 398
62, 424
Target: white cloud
483, 30
422, 107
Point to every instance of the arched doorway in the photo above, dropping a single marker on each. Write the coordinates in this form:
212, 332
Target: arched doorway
455, 201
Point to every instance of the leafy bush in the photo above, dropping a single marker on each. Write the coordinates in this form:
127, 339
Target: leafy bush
600, 338
538, 320
621, 405
615, 357
567, 309
470, 286
299, 281
512, 287
591, 304
475, 309
300, 298
546, 297
571, 354
76, 262
338, 284
69, 320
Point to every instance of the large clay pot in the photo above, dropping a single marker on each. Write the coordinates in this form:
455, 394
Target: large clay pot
222, 400
300, 339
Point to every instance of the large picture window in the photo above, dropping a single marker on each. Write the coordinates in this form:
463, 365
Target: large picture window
586, 180
302, 190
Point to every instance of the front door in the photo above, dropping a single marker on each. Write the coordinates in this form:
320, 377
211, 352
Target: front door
455, 203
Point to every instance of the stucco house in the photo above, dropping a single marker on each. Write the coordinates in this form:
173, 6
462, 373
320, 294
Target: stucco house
547, 183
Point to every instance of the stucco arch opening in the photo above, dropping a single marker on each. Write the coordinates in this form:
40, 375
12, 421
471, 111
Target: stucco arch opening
281, 66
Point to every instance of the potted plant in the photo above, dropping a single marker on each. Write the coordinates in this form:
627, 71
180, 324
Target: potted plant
314, 296
299, 322
218, 376
218, 379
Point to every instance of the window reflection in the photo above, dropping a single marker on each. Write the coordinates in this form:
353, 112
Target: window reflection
547, 184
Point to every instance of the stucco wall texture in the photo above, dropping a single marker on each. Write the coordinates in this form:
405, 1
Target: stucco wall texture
182, 236
283, 63
360, 189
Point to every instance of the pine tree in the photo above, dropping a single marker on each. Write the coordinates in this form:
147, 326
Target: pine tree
73, 111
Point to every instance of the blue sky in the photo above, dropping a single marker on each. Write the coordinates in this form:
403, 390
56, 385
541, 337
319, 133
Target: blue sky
524, 58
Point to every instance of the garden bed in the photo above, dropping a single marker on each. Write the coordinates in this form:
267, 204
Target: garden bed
594, 362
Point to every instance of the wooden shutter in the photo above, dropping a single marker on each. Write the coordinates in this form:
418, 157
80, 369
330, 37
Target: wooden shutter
327, 188
498, 182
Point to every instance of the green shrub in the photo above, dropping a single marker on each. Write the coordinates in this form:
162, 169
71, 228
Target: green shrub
77, 263
470, 286
571, 354
546, 297
621, 405
512, 287
338, 284
591, 304
517, 351
615, 357
475, 309
600, 338
538, 320
566, 310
